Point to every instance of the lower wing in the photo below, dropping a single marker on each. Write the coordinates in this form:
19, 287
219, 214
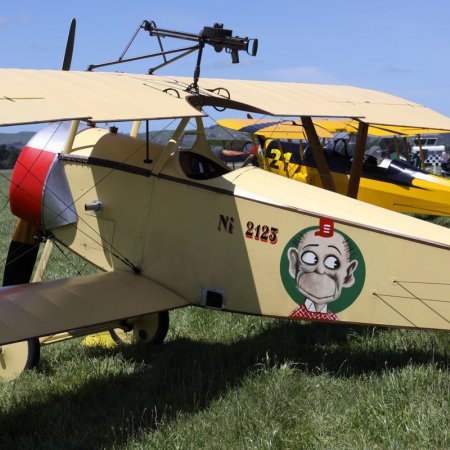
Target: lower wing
40, 309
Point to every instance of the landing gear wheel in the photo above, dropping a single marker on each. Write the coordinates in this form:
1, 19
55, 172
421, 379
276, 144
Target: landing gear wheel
17, 357
151, 329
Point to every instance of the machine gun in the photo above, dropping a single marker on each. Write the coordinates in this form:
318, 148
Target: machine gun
217, 36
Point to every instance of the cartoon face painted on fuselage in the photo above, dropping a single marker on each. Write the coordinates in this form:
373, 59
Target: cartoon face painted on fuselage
321, 266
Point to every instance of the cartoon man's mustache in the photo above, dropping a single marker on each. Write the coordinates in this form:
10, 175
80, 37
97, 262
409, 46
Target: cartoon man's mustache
316, 286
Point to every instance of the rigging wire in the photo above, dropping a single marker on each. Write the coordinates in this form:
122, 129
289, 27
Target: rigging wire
421, 301
118, 254
108, 245
56, 242
398, 312
412, 296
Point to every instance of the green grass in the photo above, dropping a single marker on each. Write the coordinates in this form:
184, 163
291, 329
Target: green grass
227, 381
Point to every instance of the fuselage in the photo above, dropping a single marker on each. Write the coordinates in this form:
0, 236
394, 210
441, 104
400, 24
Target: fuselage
248, 240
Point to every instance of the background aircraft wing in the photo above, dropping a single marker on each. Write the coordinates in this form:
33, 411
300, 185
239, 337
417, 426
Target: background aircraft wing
275, 129
41, 309
351, 126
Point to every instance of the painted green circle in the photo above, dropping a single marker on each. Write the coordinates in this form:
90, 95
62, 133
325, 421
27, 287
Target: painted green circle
348, 295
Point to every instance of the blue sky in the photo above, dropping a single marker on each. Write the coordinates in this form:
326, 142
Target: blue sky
398, 46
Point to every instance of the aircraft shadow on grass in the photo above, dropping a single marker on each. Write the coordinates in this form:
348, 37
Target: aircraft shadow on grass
185, 376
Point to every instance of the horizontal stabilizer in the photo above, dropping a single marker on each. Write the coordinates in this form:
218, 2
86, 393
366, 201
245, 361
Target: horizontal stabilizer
41, 309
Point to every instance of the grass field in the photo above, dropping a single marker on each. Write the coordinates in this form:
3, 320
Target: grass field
227, 381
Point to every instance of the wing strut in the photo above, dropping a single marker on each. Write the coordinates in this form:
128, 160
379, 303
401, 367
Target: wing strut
319, 157
71, 136
171, 146
358, 159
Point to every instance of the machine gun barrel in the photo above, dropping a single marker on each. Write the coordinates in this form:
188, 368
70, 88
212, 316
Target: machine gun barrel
217, 36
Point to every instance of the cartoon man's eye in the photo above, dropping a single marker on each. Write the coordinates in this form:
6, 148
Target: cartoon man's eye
309, 258
331, 262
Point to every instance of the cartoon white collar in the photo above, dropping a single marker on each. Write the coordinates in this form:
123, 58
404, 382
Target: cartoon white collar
311, 306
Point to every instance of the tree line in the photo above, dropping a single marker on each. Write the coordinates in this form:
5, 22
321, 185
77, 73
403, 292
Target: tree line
8, 156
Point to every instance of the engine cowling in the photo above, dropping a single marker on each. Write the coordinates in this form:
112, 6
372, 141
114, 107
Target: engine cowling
39, 191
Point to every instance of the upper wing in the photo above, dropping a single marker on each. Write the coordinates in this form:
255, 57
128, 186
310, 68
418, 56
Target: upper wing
31, 96
41, 309
315, 100
111, 97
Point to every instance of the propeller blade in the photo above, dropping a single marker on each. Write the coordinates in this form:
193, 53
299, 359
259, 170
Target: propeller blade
69, 46
22, 254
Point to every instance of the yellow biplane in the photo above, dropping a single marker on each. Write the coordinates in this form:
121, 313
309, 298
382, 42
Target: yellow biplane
164, 224
390, 183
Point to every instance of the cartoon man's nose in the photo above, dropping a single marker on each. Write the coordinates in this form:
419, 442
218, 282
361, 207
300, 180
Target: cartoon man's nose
320, 269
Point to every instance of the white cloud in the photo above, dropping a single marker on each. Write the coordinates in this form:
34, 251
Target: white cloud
395, 69
20, 18
25, 18
304, 74
38, 48
243, 62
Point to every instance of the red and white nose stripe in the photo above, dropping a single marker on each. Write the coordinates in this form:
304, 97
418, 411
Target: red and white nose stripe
27, 183
39, 192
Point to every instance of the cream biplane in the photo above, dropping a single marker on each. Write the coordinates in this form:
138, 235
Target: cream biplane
165, 224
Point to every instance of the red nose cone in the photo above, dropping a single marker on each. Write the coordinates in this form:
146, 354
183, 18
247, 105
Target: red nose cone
27, 183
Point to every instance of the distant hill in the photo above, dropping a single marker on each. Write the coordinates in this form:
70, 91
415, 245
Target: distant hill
213, 133
12, 143
8, 156
10, 146
158, 137
218, 133
17, 140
